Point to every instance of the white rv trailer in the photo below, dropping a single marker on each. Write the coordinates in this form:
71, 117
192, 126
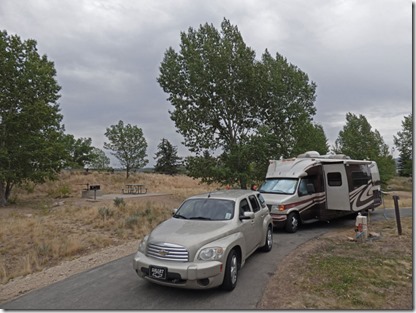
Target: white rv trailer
313, 187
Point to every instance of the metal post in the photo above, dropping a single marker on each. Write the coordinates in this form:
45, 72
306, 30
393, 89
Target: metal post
396, 209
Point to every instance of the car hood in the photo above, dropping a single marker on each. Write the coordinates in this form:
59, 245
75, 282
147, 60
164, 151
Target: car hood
189, 233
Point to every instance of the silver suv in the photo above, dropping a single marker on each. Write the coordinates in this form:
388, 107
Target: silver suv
207, 240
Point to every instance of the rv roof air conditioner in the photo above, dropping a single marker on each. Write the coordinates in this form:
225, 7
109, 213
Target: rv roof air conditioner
309, 154
339, 156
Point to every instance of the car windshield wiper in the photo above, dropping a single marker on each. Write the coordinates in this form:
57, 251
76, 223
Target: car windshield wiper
180, 216
200, 218
281, 192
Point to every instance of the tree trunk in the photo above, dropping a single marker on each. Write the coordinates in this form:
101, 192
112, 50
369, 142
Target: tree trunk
3, 197
243, 183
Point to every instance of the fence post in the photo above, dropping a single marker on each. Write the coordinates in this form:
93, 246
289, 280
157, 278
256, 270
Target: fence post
396, 210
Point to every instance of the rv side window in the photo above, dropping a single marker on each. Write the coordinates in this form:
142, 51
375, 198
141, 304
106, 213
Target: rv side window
359, 179
334, 179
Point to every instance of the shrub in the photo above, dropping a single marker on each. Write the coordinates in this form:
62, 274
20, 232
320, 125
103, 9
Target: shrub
105, 212
29, 187
132, 220
119, 202
62, 191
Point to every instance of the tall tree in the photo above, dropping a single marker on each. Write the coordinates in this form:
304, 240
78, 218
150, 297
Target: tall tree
310, 137
99, 161
287, 104
221, 97
32, 144
404, 143
167, 160
205, 166
359, 141
128, 145
80, 151
209, 84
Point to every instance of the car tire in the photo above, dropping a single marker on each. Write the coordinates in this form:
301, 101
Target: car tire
268, 245
231, 272
292, 223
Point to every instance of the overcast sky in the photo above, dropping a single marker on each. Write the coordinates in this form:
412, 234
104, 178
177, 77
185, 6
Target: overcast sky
107, 56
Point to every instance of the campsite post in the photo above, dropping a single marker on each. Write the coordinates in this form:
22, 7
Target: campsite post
396, 209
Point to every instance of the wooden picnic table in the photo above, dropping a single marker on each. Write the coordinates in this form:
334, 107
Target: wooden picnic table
135, 189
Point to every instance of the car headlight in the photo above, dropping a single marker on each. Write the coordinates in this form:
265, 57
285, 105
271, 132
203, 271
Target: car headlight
274, 208
143, 243
211, 253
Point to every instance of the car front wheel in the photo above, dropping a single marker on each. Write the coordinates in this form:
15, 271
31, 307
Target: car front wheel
231, 272
269, 240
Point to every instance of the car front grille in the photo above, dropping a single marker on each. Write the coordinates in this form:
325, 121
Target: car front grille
168, 251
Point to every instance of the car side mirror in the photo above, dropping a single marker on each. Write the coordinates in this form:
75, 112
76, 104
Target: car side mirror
174, 211
247, 216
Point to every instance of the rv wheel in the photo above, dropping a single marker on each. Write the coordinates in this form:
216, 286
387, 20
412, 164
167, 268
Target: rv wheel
292, 223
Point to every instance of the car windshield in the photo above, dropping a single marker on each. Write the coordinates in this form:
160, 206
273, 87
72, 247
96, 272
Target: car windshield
206, 209
279, 185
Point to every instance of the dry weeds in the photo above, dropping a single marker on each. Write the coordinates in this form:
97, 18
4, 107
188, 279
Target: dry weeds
50, 223
331, 272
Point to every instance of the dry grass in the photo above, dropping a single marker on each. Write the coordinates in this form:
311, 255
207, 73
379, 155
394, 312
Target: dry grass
334, 273
40, 230
400, 183
402, 187
50, 223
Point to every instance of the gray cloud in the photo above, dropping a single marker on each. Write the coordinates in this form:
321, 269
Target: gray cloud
107, 55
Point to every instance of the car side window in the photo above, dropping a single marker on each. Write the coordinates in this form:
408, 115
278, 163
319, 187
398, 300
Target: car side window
244, 207
254, 203
261, 200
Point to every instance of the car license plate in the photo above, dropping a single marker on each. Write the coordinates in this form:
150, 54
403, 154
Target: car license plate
158, 272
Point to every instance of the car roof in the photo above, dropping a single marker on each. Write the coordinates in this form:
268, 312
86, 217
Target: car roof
230, 194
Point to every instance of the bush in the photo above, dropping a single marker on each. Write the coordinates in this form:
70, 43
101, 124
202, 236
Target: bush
62, 191
119, 202
105, 213
132, 220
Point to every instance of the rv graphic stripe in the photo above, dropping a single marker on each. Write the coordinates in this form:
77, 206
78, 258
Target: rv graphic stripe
307, 203
362, 197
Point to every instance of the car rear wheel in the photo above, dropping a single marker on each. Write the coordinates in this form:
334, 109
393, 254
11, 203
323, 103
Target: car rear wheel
292, 223
269, 240
231, 272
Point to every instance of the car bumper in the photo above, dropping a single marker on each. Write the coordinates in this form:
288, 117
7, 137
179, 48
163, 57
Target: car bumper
279, 220
190, 275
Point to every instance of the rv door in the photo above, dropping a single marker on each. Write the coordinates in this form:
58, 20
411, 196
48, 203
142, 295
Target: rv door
337, 192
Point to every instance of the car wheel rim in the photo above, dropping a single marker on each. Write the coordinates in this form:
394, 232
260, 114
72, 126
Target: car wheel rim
294, 222
269, 238
233, 269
